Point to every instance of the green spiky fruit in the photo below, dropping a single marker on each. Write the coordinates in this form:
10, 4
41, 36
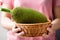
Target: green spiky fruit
26, 15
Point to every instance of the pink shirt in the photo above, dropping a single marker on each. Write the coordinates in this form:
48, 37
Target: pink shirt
43, 6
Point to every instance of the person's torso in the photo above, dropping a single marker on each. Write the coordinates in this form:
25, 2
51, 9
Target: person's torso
43, 6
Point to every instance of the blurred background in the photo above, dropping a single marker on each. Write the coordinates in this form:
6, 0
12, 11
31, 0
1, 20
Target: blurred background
3, 32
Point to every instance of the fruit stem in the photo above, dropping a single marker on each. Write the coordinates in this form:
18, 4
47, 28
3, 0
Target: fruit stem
5, 10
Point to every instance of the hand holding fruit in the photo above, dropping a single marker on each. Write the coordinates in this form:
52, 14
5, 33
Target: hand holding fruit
17, 31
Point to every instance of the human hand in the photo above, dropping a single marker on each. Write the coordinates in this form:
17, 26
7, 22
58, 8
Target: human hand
17, 31
55, 25
50, 31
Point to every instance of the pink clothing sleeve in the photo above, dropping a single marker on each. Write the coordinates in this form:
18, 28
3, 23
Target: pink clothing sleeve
57, 2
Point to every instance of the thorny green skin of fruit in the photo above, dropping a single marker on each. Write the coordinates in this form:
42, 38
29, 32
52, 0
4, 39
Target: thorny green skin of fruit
27, 15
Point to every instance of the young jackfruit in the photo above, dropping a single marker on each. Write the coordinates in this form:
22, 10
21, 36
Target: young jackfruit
26, 15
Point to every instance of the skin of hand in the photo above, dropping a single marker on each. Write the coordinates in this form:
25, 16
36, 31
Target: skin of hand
17, 31
55, 26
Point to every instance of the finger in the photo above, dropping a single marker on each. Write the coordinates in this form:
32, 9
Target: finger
15, 27
49, 29
20, 34
45, 35
16, 30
